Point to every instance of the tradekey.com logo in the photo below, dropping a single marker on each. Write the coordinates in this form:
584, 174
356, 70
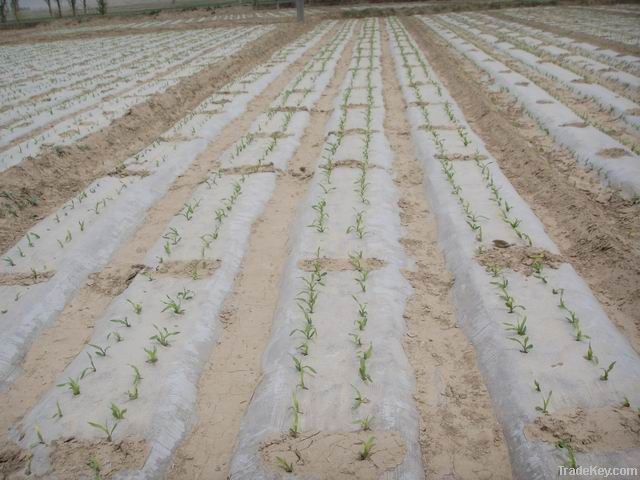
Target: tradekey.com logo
599, 472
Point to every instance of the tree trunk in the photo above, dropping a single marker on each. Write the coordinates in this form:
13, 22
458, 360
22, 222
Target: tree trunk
59, 9
72, 4
84, 6
15, 6
3, 11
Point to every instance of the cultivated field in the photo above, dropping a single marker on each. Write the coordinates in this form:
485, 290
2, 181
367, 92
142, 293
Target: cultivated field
365, 246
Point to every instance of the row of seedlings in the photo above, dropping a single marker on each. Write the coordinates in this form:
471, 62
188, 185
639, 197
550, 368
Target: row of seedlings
137, 377
334, 372
80, 237
567, 53
70, 129
81, 85
533, 347
617, 165
624, 108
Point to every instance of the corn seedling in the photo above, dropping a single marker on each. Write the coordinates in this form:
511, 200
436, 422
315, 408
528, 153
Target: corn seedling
365, 423
120, 321
579, 333
172, 305
520, 328
137, 307
136, 375
362, 370
367, 448
39, 436
100, 351
606, 371
119, 338
545, 403
90, 369
626, 403
524, 344
359, 399
320, 222
162, 337
283, 464
357, 341
510, 302
117, 412
58, 413
95, 468
189, 209
108, 431
571, 461
9, 261
309, 331
152, 354
363, 316
358, 226
73, 385
537, 267
361, 279
133, 393
536, 386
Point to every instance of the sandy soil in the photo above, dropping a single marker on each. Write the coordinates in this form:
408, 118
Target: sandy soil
37, 187
596, 230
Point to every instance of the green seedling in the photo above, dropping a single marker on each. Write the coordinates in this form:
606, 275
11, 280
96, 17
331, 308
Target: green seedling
162, 337
9, 261
300, 367
545, 403
90, 369
73, 385
363, 316
320, 222
303, 348
95, 468
358, 226
108, 431
361, 279
359, 399
571, 456
137, 307
626, 403
536, 386
367, 448
309, 331
117, 412
283, 464
137, 378
524, 344
365, 423
362, 370
133, 393
510, 302
58, 413
520, 328
100, 351
39, 436
606, 371
124, 321
537, 268
175, 306
357, 341
119, 338
579, 333
152, 354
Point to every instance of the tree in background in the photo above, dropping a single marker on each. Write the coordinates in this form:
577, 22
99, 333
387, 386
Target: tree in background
15, 6
3, 11
59, 8
48, 2
102, 7
72, 4
84, 6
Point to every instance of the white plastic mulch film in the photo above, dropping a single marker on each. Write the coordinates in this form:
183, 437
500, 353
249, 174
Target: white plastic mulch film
337, 332
59, 252
474, 205
148, 348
